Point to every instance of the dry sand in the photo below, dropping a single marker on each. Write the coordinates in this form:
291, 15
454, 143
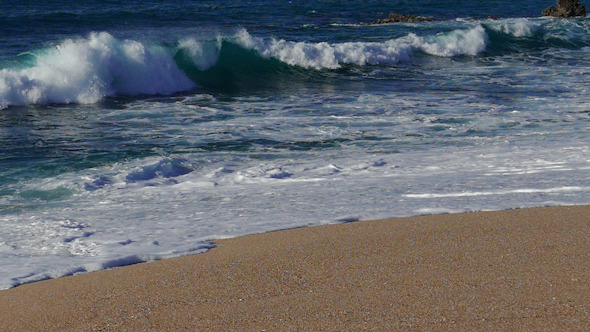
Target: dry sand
523, 269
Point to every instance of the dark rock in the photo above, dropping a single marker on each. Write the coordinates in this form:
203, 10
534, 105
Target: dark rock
566, 8
396, 18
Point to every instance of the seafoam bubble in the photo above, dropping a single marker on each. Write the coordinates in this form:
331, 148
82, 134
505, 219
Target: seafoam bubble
166, 168
324, 55
520, 27
89, 69
204, 54
458, 42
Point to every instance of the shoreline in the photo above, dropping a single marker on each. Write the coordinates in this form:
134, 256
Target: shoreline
522, 268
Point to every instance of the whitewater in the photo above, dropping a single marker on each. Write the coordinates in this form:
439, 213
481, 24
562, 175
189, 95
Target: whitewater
126, 143
89, 69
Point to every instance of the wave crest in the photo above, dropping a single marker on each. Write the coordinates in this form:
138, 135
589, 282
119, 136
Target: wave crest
520, 27
87, 70
332, 56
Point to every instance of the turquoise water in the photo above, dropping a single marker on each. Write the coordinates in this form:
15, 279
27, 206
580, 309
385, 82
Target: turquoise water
132, 131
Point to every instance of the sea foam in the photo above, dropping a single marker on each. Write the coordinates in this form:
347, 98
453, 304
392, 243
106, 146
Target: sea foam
324, 55
520, 27
87, 70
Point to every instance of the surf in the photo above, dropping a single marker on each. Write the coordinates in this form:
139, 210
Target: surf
88, 70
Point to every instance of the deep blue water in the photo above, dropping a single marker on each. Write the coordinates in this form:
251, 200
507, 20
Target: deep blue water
137, 130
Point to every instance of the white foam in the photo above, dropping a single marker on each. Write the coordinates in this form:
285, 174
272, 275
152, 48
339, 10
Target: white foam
459, 42
203, 54
324, 55
520, 27
160, 207
87, 70
502, 192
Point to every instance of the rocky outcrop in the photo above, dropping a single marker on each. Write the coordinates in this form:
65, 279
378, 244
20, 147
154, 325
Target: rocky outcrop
566, 8
395, 18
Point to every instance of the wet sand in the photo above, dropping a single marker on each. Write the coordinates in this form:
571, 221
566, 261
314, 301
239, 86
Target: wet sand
526, 269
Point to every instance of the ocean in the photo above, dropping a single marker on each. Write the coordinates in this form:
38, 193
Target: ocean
138, 130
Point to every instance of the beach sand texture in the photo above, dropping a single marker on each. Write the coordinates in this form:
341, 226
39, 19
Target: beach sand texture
526, 269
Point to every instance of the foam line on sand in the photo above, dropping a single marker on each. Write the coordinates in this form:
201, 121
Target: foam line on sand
526, 269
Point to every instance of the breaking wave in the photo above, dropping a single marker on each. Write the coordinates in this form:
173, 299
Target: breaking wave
86, 70
325, 55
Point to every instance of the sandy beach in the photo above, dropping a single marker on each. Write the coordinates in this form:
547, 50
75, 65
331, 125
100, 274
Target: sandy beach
526, 269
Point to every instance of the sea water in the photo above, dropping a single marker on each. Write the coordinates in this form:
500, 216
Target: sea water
137, 130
